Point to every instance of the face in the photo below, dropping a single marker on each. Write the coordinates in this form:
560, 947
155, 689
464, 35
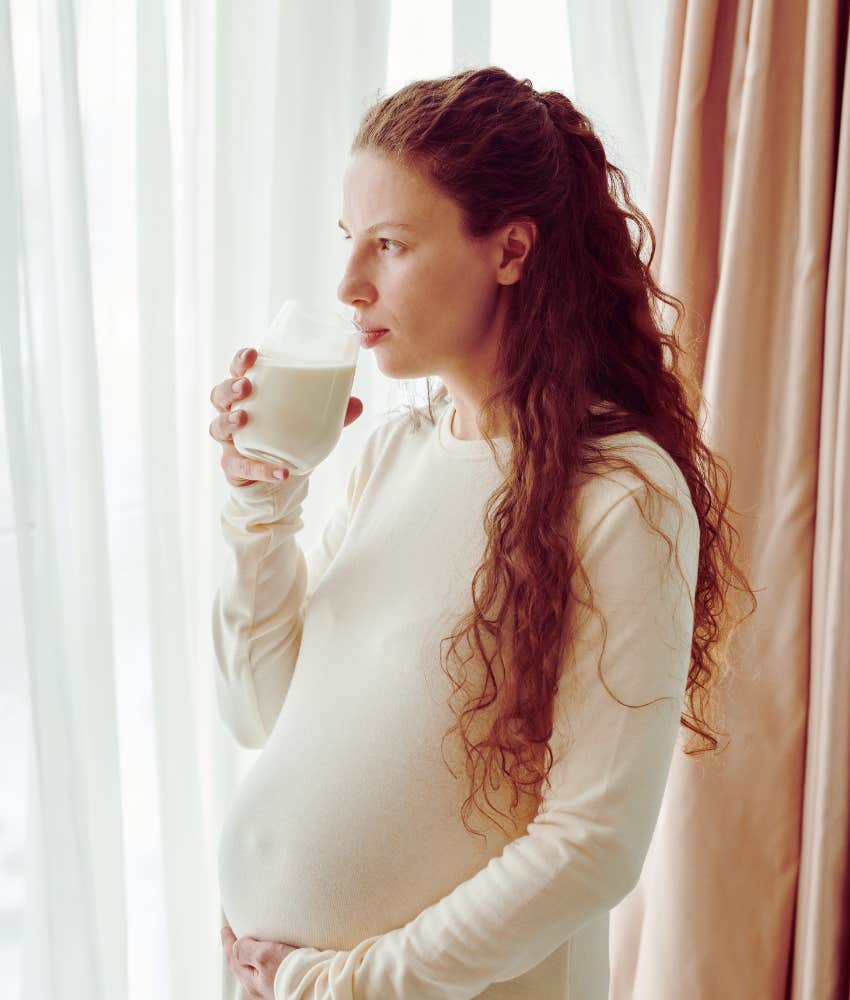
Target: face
441, 296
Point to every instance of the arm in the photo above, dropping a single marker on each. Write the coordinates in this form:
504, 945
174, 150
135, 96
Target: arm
584, 850
258, 610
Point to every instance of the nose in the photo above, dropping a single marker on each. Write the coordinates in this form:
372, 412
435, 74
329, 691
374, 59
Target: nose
355, 287
352, 292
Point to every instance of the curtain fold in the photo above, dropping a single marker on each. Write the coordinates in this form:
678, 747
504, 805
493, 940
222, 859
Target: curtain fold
173, 173
744, 891
189, 892
821, 944
74, 928
616, 50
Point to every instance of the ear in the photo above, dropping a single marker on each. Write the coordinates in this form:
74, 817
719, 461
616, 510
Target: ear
512, 248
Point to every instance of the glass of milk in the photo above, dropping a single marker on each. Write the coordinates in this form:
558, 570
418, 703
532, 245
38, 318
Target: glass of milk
300, 386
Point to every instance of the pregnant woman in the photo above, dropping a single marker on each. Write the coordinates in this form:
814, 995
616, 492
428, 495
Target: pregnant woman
469, 693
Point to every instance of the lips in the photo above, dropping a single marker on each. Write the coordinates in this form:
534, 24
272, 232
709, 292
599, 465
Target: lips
370, 337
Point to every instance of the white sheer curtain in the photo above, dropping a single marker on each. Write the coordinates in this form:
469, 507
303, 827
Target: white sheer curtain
169, 173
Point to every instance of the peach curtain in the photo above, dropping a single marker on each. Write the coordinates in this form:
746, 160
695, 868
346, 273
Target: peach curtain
744, 894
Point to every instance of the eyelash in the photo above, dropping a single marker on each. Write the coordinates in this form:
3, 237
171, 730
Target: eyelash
381, 239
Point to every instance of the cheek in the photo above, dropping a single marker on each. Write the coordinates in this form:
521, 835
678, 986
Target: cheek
451, 287
467, 293
448, 283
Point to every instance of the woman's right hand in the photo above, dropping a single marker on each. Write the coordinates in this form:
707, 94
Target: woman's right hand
239, 470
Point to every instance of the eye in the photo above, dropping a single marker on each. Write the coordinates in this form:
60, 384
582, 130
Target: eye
381, 239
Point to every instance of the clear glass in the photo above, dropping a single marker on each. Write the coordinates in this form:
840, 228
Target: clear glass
301, 383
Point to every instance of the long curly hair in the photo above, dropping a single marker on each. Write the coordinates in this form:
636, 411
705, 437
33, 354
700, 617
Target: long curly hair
584, 324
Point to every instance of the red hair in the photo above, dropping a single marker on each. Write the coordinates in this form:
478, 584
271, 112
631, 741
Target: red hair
583, 325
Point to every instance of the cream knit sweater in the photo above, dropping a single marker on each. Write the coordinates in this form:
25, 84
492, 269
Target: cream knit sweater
345, 837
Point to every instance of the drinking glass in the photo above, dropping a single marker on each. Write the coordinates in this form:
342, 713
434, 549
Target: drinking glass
301, 383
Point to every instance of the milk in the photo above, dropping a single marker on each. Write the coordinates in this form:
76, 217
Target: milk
295, 411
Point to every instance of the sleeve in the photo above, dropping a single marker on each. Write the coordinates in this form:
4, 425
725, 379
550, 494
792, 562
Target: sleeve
584, 850
258, 609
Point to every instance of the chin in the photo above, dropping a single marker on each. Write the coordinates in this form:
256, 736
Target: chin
397, 366
394, 367
394, 371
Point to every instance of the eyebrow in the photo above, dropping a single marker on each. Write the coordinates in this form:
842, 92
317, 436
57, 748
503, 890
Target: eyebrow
381, 225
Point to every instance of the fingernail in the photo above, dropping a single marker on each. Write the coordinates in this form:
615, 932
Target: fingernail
234, 417
280, 473
245, 353
238, 385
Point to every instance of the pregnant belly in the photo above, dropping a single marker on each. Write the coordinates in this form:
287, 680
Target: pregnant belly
340, 832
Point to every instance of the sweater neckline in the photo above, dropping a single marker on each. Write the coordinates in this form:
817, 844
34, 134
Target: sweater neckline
478, 449
475, 449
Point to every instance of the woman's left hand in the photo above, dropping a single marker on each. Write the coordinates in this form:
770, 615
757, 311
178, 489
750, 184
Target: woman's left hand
254, 962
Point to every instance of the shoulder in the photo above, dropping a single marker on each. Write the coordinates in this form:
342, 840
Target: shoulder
379, 447
625, 497
648, 455
392, 428
400, 424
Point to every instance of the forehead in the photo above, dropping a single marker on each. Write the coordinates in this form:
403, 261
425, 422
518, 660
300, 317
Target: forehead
376, 188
